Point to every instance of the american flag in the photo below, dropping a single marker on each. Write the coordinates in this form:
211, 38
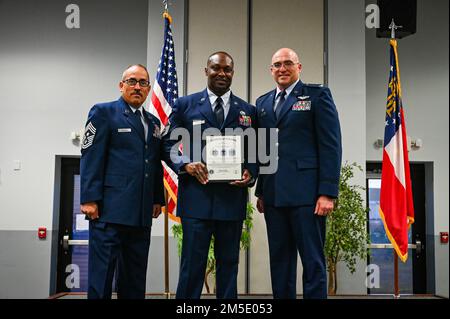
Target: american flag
164, 95
396, 202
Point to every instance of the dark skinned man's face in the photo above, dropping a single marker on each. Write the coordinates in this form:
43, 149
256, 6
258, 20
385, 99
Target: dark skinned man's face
219, 71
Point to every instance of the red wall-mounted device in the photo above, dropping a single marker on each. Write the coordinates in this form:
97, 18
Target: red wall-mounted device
42, 233
444, 237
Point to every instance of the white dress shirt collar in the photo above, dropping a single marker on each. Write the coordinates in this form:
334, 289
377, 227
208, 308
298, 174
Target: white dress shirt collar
225, 100
140, 108
288, 90
213, 97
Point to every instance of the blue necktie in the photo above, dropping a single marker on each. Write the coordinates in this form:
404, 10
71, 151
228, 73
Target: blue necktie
144, 122
277, 106
219, 111
139, 118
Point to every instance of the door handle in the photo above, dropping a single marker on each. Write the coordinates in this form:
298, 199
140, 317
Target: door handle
66, 242
418, 246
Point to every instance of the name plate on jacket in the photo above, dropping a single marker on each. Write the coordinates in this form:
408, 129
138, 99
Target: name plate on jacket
224, 158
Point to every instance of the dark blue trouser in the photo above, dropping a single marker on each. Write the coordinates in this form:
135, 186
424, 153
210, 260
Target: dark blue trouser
196, 238
292, 229
126, 247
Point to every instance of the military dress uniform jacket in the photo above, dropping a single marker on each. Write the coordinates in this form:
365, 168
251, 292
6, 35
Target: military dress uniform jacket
120, 169
213, 201
309, 147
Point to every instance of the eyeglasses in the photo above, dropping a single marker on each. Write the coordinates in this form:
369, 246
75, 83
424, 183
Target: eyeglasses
133, 82
287, 65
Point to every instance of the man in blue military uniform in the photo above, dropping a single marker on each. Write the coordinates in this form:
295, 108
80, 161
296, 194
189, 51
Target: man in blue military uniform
121, 187
210, 209
297, 197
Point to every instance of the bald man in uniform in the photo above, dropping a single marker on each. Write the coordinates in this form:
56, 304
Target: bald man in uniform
297, 197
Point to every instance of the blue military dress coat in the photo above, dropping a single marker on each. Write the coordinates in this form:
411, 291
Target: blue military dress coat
121, 168
214, 201
309, 147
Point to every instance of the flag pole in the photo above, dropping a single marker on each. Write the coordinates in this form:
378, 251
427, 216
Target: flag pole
166, 245
164, 94
166, 220
394, 27
396, 288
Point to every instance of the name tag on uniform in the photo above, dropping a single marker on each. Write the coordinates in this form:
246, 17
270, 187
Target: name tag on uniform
124, 130
198, 122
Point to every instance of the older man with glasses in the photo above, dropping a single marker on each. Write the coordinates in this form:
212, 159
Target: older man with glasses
121, 188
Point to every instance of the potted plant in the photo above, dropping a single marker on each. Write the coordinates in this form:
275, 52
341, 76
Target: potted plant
177, 231
346, 234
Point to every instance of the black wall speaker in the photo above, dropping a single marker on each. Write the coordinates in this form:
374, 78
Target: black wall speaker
404, 13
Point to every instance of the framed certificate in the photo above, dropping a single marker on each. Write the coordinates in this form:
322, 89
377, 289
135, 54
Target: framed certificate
224, 158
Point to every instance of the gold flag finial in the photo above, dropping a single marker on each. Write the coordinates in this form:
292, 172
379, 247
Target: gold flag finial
166, 11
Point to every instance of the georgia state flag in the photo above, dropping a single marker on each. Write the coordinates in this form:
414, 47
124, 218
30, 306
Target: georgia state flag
396, 202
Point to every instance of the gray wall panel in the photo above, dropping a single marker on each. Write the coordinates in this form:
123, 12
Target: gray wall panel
276, 24
24, 264
346, 79
216, 25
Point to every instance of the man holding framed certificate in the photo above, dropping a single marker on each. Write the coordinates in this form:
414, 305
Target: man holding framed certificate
213, 176
224, 158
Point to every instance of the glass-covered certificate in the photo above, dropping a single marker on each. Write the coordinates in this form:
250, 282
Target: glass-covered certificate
224, 158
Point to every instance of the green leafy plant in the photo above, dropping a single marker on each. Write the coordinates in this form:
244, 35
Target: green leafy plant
177, 231
346, 238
